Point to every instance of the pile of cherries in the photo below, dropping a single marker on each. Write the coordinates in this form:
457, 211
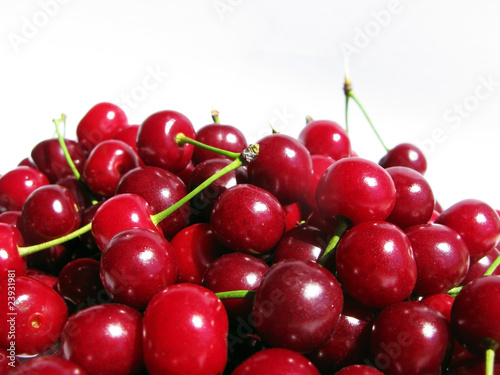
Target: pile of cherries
161, 249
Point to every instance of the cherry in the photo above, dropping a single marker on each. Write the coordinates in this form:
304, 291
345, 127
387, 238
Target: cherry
44, 278
37, 312
358, 370
476, 222
410, 338
48, 365
414, 198
293, 215
156, 140
185, 174
375, 264
10, 260
478, 268
471, 366
51, 211
100, 123
129, 136
17, 184
248, 219
405, 155
319, 165
284, 168
11, 217
8, 361
106, 164
54, 258
105, 339
304, 242
441, 256
185, 331
161, 189
297, 305
314, 219
356, 188
441, 302
235, 271
136, 264
326, 137
79, 190
276, 361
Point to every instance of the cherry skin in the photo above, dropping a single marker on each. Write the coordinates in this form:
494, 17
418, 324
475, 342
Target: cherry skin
54, 258
355, 188
358, 370
414, 198
185, 331
441, 302
375, 264
40, 315
293, 215
48, 365
410, 338
161, 189
129, 136
105, 339
478, 268
304, 242
156, 141
136, 264
405, 155
79, 191
441, 256
326, 137
11, 217
100, 123
50, 212
225, 137
8, 361
235, 271
476, 222
283, 167
44, 278
248, 219
319, 165
17, 184
10, 260
297, 305
106, 164
276, 361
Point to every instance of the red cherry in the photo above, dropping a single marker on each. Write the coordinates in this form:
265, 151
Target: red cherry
156, 141
405, 155
11, 217
129, 136
359, 370
441, 302
44, 278
304, 242
185, 331
48, 365
326, 137
478, 268
17, 184
100, 123
10, 260
319, 165
8, 361
293, 215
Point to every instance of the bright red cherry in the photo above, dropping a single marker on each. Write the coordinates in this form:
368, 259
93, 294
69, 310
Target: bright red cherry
156, 140
185, 332
129, 136
319, 165
10, 260
17, 184
441, 302
355, 188
405, 155
326, 137
293, 215
304, 242
48, 365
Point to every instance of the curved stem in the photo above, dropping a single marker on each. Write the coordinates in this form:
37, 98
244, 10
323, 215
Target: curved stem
342, 225
182, 139
493, 267
246, 294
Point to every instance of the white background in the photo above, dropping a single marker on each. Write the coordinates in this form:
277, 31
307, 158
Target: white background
427, 72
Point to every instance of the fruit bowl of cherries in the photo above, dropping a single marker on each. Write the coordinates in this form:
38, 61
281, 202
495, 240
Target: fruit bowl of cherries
159, 248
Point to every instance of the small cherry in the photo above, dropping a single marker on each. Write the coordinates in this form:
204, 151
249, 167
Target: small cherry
325, 137
405, 155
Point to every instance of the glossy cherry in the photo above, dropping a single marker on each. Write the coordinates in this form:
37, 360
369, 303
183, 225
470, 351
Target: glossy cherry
105, 339
17, 184
375, 264
136, 264
248, 219
156, 140
293, 215
100, 123
129, 136
478, 268
303, 242
326, 137
319, 165
283, 167
356, 188
359, 370
405, 155
297, 305
10, 260
48, 365
185, 331
81, 193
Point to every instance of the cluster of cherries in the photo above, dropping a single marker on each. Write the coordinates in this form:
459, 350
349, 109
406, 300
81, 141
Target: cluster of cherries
161, 249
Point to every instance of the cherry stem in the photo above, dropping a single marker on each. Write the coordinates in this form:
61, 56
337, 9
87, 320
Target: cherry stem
181, 139
215, 116
342, 225
246, 294
347, 91
246, 156
489, 356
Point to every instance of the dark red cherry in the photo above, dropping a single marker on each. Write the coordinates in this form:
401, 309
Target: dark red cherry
8, 360
185, 331
276, 361
48, 365
11, 217
10, 260
235, 271
225, 137
129, 136
54, 258
326, 137
297, 305
283, 167
136, 264
100, 123
37, 312
248, 219
161, 189
304, 242
405, 155
356, 188
319, 165
478, 268
49, 158
410, 338
375, 264
441, 302
106, 164
185, 174
359, 370
414, 198
50, 212
17, 184
44, 278
476, 222
105, 339
156, 141
79, 191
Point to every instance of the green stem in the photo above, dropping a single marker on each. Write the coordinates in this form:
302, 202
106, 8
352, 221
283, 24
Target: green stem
182, 139
342, 225
27, 250
493, 267
489, 363
247, 294
215, 116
